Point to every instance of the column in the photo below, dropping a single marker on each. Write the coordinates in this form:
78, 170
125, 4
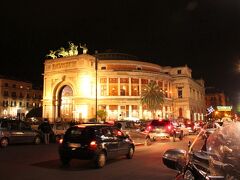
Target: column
118, 86
130, 88
140, 86
119, 112
107, 86
130, 110
140, 112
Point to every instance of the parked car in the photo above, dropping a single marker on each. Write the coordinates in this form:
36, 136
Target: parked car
59, 130
16, 131
96, 142
135, 132
162, 129
216, 157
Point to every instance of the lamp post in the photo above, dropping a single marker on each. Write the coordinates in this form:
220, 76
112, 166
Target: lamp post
96, 68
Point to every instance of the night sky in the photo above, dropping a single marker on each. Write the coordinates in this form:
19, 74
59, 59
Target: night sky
204, 34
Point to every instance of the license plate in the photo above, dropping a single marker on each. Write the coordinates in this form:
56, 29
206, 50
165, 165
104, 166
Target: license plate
74, 145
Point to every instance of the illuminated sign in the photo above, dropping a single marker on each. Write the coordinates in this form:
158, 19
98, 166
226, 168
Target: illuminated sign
224, 108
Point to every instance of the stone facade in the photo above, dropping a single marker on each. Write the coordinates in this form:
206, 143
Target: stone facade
17, 98
70, 88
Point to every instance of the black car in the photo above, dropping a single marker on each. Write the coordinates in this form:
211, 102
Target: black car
96, 142
16, 131
211, 158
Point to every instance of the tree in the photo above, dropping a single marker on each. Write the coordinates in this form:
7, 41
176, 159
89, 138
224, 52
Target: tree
152, 97
102, 114
35, 112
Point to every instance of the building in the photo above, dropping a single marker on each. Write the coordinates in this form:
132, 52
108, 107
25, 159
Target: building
70, 88
220, 103
17, 98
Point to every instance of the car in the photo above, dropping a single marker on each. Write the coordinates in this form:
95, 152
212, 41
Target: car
163, 129
214, 157
95, 142
135, 131
58, 130
16, 131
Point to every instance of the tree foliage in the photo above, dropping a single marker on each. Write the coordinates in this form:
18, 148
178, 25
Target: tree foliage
35, 112
152, 97
102, 114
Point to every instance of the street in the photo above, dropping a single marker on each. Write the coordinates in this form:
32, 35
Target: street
33, 162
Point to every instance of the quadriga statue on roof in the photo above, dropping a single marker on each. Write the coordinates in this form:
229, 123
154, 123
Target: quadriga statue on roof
84, 47
62, 52
73, 49
52, 54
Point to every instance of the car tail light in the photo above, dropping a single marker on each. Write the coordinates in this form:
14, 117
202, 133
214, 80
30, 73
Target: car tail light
61, 141
119, 133
93, 145
169, 127
149, 128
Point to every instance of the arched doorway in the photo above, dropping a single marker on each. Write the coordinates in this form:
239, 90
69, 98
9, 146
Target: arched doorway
65, 103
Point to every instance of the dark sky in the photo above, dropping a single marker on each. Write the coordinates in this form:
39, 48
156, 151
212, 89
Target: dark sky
204, 34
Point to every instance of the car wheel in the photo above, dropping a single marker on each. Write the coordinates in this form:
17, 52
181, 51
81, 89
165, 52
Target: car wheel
130, 153
100, 160
181, 136
153, 139
37, 140
4, 142
65, 160
148, 141
188, 175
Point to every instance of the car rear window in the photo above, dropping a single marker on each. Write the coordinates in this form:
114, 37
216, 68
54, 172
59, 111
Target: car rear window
79, 133
160, 122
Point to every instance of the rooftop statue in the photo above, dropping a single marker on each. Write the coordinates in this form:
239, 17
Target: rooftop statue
52, 54
84, 47
62, 52
73, 49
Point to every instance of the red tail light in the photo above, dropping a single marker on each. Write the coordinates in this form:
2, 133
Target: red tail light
93, 145
149, 128
169, 127
61, 141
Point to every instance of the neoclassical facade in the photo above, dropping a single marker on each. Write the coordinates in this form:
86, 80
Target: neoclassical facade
70, 88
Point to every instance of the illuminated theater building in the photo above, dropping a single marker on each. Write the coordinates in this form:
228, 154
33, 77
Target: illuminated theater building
70, 88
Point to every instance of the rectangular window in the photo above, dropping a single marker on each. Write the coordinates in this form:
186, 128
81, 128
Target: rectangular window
113, 90
14, 94
103, 90
103, 80
123, 80
6, 84
179, 71
113, 80
5, 93
103, 68
180, 93
135, 90
124, 90
134, 81
144, 81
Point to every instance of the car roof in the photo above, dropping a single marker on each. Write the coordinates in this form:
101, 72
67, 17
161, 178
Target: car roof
92, 125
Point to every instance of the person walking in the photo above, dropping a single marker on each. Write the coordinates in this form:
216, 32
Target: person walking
45, 129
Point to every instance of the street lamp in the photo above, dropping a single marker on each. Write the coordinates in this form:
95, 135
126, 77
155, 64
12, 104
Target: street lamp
96, 68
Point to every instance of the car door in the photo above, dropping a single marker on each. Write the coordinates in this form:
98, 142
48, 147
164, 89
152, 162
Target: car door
110, 143
123, 144
15, 132
28, 134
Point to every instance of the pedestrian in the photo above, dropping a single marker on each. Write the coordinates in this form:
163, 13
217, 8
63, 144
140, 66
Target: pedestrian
45, 129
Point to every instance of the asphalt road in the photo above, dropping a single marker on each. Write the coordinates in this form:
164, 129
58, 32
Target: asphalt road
41, 162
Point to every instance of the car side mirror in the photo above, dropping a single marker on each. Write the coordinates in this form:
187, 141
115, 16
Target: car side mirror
175, 159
